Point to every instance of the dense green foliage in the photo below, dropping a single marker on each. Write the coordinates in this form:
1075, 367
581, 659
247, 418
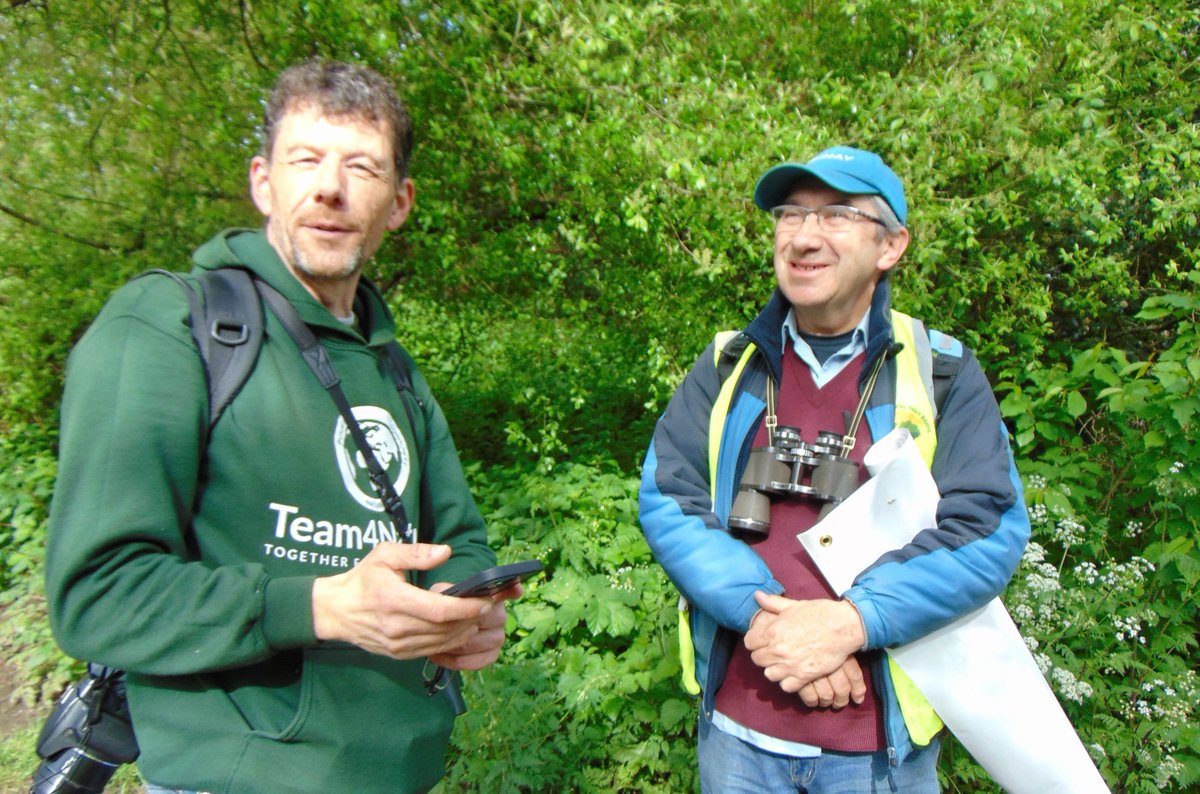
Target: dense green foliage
593, 661
584, 224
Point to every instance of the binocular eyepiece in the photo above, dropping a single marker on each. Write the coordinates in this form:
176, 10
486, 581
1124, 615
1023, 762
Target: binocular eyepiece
822, 471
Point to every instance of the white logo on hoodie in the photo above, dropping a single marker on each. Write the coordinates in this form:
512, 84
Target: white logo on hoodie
389, 446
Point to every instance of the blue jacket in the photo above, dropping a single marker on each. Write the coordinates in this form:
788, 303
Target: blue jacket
947, 571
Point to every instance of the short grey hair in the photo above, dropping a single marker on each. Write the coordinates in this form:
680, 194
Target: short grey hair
891, 223
336, 88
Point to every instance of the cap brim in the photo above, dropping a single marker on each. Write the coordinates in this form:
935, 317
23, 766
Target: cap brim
775, 185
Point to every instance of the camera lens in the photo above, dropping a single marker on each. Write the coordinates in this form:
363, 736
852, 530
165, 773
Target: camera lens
72, 771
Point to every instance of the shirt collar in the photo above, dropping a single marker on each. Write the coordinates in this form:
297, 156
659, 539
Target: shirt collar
823, 373
857, 344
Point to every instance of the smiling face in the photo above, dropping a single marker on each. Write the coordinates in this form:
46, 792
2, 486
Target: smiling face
829, 278
330, 192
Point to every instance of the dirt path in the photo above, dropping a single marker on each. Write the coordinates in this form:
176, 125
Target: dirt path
14, 715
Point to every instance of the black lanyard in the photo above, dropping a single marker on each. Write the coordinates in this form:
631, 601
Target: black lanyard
317, 358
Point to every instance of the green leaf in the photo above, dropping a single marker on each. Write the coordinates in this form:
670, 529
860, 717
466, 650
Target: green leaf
675, 711
1076, 404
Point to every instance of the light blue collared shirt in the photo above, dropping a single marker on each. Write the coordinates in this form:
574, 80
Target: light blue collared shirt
823, 373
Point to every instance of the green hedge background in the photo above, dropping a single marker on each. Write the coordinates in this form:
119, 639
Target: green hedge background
583, 226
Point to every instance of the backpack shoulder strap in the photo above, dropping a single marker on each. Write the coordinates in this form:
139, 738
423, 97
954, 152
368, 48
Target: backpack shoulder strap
947, 363
397, 367
226, 319
728, 350
228, 333
394, 360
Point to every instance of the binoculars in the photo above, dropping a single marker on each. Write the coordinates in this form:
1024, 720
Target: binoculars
789, 467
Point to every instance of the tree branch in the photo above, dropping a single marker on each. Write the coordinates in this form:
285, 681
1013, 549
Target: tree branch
103, 246
246, 36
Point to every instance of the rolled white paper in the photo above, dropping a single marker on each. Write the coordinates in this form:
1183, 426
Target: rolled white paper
976, 672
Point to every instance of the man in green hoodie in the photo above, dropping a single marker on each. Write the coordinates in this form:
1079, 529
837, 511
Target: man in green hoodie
272, 622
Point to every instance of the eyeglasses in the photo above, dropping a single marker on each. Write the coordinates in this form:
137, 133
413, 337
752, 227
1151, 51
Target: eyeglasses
831, 218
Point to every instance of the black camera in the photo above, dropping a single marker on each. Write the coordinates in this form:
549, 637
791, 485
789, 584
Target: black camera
87, 736
789, 467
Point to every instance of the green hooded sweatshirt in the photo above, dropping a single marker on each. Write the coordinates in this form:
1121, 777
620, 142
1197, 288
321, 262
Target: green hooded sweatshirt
188, 559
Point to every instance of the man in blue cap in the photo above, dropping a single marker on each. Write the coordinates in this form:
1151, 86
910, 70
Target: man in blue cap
797, 691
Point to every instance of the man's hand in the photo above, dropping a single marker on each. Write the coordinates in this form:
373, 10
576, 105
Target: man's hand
374, 607
807, 647
483, 648
837, 689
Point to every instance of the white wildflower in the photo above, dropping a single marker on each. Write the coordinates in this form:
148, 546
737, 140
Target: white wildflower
1069, 686
1069, 532
1040, 583
1130, 628
1087, 572
1166, 770
1034, 553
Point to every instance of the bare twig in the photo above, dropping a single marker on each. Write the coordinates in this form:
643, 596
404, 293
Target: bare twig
246, 35
100, 244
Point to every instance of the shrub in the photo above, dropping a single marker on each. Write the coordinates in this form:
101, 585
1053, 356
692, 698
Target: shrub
587, 694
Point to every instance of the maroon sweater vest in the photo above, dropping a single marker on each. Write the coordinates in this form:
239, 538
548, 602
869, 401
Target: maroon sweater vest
747, 696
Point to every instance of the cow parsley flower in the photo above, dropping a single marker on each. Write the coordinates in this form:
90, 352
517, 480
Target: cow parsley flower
1069, 686
1068, 532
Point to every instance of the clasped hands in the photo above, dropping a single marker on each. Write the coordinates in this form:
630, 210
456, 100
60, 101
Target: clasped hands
373, 606
807, 647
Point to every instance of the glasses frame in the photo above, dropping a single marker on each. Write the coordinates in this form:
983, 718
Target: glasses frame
852, 212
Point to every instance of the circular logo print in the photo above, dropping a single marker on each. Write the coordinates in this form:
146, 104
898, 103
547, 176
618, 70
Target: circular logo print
389, 446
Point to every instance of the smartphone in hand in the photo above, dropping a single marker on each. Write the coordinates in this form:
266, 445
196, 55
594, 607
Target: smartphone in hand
495, 579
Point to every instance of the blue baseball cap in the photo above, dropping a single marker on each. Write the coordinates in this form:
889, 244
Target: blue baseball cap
843, 168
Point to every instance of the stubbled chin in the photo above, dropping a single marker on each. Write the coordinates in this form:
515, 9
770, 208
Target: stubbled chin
328, 263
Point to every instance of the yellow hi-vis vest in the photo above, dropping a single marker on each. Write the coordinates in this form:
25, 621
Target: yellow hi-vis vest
914, 409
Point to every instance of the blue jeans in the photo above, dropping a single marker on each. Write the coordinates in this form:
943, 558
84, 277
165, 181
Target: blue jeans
727, 764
